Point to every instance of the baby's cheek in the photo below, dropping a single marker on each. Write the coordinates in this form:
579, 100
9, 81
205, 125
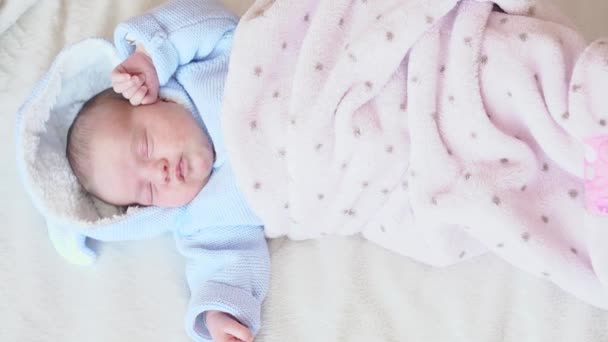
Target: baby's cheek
175, 196
187, 192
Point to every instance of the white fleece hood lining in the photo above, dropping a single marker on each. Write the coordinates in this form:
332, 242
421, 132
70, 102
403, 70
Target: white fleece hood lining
79, 72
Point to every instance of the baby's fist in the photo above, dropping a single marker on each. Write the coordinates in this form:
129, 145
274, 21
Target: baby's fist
136, 78
225, 328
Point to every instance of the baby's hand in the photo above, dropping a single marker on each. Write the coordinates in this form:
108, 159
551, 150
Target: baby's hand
136, 78
225, 328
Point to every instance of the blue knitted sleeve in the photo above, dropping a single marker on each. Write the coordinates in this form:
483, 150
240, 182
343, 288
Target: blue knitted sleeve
228, 270
177, 33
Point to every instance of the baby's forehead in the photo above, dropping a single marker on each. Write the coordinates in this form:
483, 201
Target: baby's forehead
108, 120
109, 110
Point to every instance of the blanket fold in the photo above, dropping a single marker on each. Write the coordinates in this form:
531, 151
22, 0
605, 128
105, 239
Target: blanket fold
438, 129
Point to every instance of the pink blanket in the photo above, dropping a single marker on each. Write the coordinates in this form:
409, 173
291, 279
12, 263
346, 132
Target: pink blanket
438, 129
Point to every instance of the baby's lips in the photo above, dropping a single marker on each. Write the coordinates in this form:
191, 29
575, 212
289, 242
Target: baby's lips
180, 170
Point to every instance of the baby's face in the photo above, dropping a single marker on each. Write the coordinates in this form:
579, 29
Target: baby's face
149, 155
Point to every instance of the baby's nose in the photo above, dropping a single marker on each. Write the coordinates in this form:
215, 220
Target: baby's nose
161, 171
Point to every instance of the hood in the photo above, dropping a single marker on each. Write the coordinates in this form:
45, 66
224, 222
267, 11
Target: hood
78, 72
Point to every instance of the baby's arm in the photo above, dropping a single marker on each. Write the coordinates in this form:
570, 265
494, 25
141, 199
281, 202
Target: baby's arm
177, 33
228, 271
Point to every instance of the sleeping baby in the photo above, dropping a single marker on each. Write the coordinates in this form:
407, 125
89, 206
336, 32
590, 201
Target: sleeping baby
127, 147
440, 132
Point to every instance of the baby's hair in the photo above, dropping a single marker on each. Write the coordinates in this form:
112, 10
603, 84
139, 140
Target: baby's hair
79, 133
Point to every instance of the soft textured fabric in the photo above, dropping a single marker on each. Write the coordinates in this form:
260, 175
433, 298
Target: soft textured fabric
438, 129
227, 265
596, 174
10, 11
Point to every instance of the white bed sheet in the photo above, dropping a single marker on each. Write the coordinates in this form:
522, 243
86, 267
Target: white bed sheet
335, 289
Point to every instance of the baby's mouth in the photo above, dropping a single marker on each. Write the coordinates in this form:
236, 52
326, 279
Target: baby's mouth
180, 169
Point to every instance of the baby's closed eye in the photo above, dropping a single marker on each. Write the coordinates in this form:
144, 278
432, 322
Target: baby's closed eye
144, 146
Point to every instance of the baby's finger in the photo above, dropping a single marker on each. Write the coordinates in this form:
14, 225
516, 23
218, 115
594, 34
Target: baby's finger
134, 81
149, 98
119, 87
119, 76
119, 69
136, 85
240, 332
138, 96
